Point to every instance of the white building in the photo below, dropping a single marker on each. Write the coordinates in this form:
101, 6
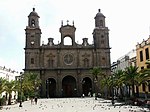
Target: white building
125, 61
9, 75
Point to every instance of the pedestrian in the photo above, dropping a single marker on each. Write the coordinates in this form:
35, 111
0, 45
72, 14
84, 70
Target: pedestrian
89, 94
35, 99
83, 95
31, 100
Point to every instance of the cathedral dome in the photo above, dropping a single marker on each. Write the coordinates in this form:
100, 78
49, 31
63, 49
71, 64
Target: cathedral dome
33, 13
99, 14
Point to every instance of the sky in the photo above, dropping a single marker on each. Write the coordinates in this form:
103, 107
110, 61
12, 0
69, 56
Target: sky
127, 20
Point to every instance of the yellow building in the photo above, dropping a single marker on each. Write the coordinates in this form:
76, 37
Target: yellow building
143, 54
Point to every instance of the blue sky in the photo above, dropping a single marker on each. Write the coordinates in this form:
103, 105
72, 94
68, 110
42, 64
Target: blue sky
128, 21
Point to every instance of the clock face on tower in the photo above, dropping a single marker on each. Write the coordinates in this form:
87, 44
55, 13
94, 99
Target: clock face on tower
68, 59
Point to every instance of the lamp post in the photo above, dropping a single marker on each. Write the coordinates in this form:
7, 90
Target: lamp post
62, 92
95, 82
36, 87
75, 91
20, 78
48, 82
113, 90
83, 82
47, 88
113, 70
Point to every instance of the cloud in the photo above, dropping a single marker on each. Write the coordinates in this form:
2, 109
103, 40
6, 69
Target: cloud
128, 22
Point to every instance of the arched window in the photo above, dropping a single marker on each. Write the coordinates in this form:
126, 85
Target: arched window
101, 22
33, 22
67, 41
32, 60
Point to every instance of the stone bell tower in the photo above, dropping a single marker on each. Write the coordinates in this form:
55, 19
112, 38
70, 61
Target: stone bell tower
101, 42
33, 39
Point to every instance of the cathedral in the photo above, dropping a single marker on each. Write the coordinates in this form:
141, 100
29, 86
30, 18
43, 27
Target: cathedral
65, 70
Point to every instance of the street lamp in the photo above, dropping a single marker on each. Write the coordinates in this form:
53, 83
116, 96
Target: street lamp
95, 82
36, 87
48, 82
50, 88
83, 82
20, 78
75, 91
47, 89
114, 67
113, 90
62, 92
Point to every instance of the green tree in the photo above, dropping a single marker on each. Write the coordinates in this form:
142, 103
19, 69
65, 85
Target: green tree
2, 89
31, 82
107, 84
10, 86
2, 85
145, 78
95, 72
147, 62
130, 75
118, 82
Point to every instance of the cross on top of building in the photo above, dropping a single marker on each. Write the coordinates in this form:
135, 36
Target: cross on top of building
67, 22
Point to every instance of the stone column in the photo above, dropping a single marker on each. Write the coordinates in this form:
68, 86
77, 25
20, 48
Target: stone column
79, 83
59, 84
43, 85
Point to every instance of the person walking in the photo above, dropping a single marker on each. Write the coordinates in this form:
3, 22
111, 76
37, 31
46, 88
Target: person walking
35, 99
31, 100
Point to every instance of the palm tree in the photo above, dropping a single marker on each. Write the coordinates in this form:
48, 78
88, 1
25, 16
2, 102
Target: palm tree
130, 74
27, 86
2, 89
144, 78
106, 82
95, 72
9, 88
30, 83
119, 81
2, 85
138, 82
147, 62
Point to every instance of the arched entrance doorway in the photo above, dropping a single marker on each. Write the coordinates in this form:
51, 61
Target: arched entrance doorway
69, 86
86, 86
50, 88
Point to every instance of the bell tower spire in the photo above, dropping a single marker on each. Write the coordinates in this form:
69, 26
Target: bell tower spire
99, 19
33, 39
101, 41
33, 19
101, 32
33, 31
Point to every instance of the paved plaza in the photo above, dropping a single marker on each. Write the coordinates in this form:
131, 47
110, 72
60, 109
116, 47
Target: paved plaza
72, 105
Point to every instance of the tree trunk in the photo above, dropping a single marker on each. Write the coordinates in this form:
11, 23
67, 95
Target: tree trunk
129, 92
133, 91
106, 92
121, 93
137, 91
9, 99
146, 94
117, 92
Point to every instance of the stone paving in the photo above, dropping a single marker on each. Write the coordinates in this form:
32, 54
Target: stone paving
72, 105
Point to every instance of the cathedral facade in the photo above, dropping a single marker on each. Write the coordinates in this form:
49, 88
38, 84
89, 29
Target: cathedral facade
65, 69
